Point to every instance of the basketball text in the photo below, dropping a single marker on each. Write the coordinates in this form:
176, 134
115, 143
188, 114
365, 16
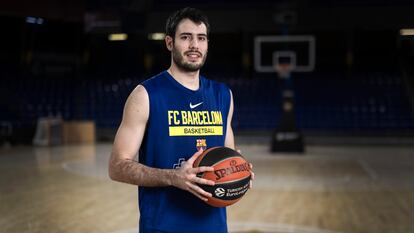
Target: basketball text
220, 173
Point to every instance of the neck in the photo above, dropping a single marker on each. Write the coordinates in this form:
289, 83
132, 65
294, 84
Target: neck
188, 79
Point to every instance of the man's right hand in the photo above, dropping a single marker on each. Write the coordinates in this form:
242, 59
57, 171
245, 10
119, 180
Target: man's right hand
186, 177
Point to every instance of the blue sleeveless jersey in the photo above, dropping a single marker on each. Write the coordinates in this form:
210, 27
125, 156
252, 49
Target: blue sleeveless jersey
180, 121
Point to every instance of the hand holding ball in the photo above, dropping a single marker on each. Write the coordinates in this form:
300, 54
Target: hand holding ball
231, 175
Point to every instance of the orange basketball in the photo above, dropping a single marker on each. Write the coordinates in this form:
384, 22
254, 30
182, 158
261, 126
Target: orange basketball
231, 175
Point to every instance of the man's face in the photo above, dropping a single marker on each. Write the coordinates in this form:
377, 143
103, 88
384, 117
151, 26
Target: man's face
190, 46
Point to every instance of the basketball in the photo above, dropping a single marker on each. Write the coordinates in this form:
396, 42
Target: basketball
231, 175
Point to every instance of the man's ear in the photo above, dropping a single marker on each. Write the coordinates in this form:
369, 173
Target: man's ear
169, 42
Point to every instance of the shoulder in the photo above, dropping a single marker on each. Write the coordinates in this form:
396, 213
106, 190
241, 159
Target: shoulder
139, 93
216, 85
138, 99
153, 81
220, 90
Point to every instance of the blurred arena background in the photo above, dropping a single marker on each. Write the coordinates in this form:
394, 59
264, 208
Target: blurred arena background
67, 67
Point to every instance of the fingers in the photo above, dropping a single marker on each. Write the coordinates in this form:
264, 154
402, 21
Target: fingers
251, 181
202, 169
197, 195
195, 155
195, 179
199, 192
251, 176
251, 170
203, 181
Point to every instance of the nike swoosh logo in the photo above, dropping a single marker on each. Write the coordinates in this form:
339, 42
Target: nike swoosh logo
195, 105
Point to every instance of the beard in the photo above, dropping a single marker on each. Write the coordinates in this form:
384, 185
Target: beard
187, 66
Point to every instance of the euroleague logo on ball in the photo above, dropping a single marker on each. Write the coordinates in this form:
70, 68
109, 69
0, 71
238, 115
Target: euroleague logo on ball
233, 163
219, 192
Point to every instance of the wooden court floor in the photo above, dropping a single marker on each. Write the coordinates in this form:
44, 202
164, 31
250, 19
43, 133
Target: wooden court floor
330, 189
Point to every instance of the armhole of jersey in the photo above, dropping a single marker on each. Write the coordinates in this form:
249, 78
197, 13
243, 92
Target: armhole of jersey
149, 103
141, 155
230, 95
227, 89
229, 100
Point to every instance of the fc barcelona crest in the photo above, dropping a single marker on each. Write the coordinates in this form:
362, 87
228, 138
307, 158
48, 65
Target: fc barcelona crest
201, 144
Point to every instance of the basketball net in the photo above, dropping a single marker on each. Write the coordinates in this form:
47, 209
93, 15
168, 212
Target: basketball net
283, 70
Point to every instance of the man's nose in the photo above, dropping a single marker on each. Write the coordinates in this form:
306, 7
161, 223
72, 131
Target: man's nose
194, 43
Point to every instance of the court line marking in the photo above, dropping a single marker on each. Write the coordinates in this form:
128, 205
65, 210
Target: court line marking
368, 169
274, 228
240, 227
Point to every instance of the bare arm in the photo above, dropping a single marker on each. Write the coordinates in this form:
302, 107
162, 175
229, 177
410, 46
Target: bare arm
128, 139
229, 141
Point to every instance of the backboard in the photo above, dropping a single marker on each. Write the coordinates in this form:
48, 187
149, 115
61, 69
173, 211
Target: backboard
297, 50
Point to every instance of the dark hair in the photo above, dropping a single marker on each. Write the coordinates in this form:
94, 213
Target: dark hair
193, 14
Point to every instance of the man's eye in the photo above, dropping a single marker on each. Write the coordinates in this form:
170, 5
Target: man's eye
185, 37
202, 38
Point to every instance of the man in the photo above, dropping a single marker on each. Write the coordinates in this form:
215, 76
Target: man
169, 119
